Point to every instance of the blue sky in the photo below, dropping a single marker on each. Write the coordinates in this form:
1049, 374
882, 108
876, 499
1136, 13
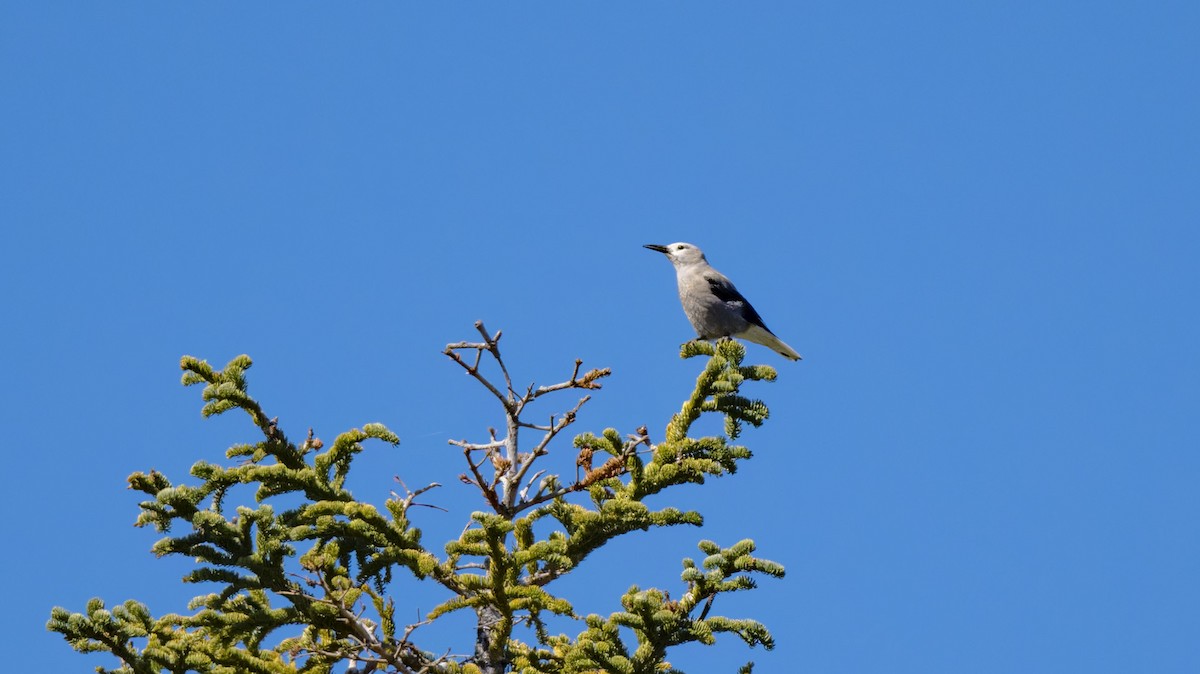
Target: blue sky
979, 224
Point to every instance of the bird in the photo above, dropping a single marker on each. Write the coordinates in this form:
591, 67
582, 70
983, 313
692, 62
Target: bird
713, 305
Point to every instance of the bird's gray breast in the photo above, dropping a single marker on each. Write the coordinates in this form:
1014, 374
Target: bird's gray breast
711, 316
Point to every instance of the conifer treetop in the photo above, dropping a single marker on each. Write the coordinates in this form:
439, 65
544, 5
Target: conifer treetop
307, 576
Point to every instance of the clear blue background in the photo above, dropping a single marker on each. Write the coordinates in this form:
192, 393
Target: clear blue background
978, 223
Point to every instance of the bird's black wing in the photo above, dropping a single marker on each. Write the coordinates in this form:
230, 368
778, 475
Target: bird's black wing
723, 289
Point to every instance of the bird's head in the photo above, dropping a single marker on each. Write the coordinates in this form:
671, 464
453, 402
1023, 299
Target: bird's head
679, 253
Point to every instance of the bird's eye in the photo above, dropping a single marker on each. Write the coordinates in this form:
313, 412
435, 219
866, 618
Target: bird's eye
680, 247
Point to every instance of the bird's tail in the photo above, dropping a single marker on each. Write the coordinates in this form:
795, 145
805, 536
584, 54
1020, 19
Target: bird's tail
760, 335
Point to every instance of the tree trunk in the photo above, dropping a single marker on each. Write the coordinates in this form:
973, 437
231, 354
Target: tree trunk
490, 651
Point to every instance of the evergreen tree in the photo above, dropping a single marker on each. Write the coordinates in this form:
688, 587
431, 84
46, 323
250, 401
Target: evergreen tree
311, 585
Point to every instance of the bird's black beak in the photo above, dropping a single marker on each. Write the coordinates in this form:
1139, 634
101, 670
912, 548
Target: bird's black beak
655, 246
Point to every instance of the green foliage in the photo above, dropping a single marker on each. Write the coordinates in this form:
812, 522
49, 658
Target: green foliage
305, 575
658, 622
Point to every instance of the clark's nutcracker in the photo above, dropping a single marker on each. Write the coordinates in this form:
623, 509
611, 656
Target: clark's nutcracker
715, 308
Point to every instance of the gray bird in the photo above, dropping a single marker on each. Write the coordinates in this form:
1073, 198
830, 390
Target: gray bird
715, 308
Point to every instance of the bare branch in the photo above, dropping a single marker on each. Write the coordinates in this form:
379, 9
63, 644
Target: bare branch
408, 502
493, 345
541, 498
475, 447
613, 467
473, 370
588, 380
489, 491
640, 437
525, 492
551, 431
566, 420
488, 339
